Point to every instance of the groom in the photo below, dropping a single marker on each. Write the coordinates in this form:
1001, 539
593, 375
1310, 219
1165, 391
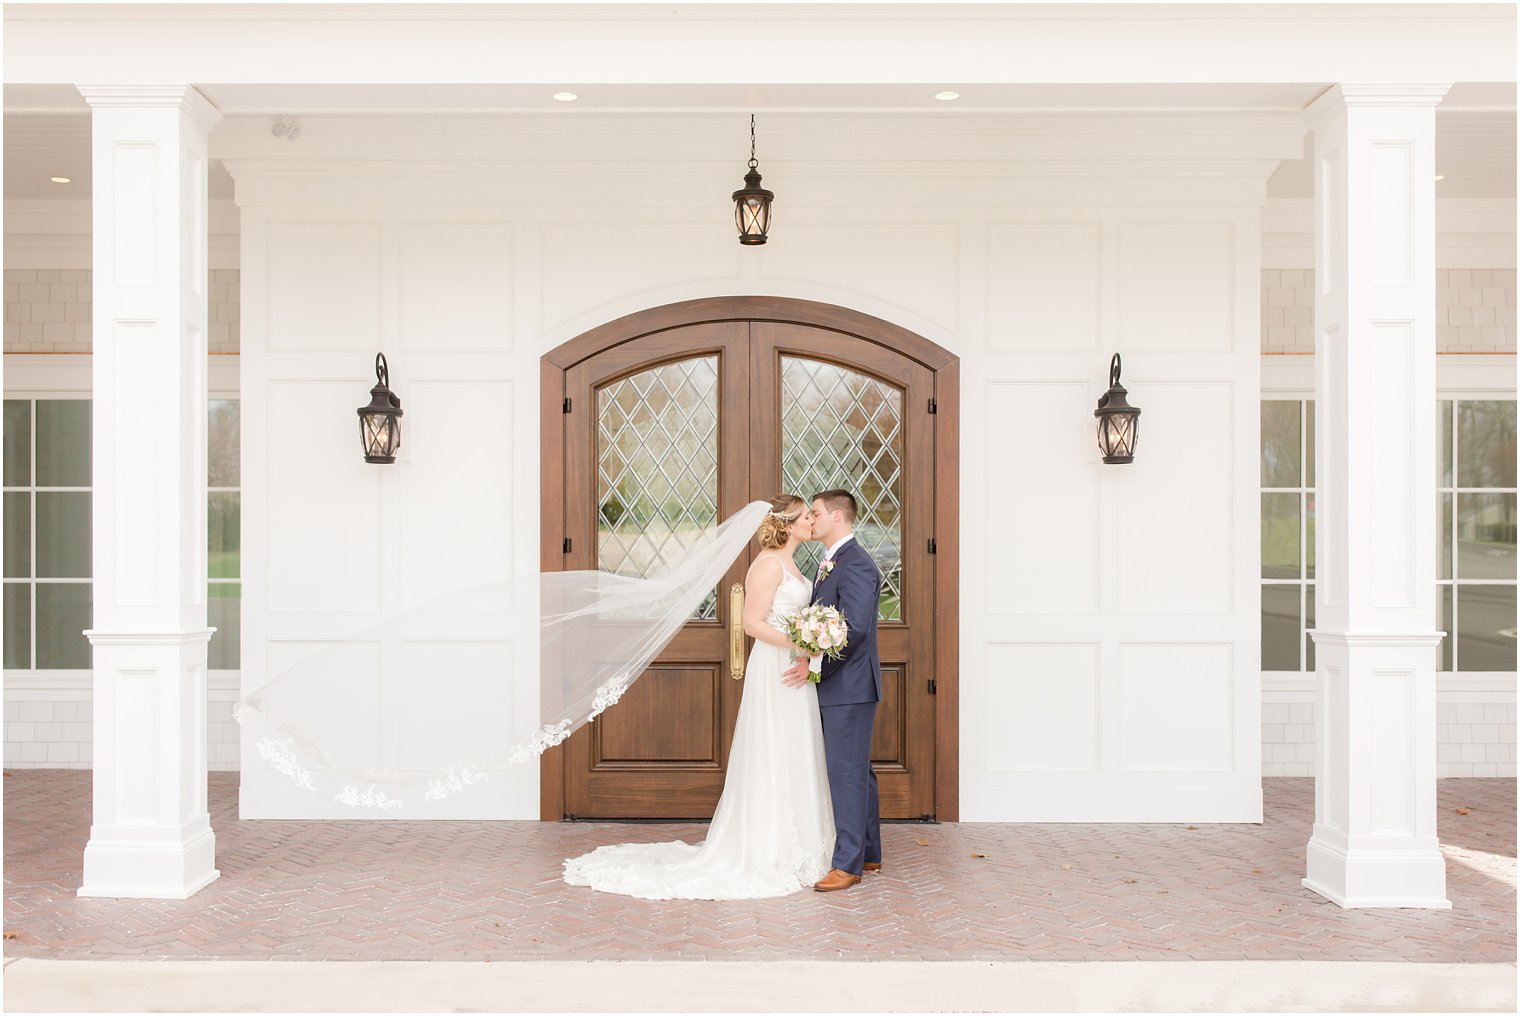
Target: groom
851, 687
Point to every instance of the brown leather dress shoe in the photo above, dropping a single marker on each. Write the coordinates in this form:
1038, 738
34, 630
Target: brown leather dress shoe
836, 880
873, 866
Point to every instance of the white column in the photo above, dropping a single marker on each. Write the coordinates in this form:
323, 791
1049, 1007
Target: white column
151, 835
1374, 841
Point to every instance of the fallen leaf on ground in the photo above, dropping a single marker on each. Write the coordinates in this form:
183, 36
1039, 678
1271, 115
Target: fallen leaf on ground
12, 934
1065, 867
922, 843
1255, 871
978, 855
1129, 881
1192, 827
1462, 811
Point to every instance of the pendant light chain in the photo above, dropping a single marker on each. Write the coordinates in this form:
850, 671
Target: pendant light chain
752, 202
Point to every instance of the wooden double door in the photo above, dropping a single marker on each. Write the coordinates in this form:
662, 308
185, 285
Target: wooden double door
666, 433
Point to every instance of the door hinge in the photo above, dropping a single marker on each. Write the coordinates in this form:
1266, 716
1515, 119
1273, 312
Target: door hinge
567, 405
933, 687
567, 545
933, 406
933, 547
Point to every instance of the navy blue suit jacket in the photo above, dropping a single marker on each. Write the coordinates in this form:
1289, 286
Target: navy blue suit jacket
854, 586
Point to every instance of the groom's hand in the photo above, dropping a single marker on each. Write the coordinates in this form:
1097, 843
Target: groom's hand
795, 676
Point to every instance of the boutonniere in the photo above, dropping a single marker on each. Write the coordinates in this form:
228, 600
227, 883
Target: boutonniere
824, 567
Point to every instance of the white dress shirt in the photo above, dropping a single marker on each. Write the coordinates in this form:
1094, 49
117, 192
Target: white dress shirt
829, 555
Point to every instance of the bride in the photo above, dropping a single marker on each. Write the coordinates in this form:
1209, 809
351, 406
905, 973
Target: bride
773, 830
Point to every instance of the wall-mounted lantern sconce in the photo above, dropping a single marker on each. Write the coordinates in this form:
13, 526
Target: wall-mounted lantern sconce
752, 203
380, 421
1117, 420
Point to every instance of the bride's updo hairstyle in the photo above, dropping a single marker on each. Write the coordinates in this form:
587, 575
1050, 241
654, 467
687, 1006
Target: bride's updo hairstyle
785, 509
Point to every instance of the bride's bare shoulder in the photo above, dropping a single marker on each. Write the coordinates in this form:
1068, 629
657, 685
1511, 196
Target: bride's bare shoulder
765, 569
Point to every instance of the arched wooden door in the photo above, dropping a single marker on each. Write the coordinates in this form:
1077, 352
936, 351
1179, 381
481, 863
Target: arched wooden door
661, 424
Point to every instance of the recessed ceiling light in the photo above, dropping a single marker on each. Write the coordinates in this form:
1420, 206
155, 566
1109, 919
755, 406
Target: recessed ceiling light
566, 96
60, 179
947, 96
1440, 177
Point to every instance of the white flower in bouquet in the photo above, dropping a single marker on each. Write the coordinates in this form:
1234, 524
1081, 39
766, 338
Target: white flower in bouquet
818, 631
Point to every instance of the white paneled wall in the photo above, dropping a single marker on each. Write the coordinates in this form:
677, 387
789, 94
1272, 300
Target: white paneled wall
1109, 670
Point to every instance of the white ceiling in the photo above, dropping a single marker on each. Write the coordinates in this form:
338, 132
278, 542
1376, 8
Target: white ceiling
46, 127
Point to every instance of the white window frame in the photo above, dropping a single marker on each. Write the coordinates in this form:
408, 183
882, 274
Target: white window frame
69, 376
1458, 376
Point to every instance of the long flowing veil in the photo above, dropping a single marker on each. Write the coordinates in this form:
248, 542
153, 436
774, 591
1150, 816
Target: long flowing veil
454, 713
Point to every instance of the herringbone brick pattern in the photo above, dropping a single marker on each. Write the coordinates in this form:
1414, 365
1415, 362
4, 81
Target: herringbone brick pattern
491, 891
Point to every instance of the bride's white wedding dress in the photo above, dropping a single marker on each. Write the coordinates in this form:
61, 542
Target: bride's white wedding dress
773, 830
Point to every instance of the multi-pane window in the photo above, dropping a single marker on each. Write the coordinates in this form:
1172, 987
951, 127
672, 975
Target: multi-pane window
48, 539
1287, 534
223, 536
47, 534
1476, 572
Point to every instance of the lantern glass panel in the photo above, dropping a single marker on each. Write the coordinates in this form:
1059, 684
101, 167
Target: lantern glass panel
1116, 435
381, 436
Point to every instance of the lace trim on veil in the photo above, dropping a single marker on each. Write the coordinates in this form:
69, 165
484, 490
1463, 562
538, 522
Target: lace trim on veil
596, 633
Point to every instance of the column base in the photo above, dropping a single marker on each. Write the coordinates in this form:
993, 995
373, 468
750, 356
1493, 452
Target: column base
1399, 873
172, 869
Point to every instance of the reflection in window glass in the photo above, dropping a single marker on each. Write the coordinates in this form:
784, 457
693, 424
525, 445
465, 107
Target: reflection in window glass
1281, 443
1477, 576
1485, 444
1281, 628
224, 502
63, 443
18, 534
18, 442
48, 542
1287, 533
63, 534
18, 626
1281, 536
223, 528
222, 448
63, 613
1485, 627
223, 609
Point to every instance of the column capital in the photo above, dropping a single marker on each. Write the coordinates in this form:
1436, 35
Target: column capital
183, 97
1342, 96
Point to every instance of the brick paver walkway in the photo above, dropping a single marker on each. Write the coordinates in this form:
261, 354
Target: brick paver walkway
491, 891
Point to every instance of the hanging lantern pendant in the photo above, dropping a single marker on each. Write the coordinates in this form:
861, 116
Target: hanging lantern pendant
380, 421
1117, 420
752, 203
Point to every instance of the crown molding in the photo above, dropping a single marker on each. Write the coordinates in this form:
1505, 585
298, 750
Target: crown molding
185, 98
1338, 98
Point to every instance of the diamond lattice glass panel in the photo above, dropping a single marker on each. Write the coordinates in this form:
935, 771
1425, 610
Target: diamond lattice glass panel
841, 428
657, 467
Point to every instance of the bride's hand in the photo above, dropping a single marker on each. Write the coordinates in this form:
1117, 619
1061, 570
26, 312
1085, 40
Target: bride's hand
795, 676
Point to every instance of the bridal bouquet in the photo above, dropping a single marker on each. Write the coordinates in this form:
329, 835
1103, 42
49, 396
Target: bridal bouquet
818, 631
